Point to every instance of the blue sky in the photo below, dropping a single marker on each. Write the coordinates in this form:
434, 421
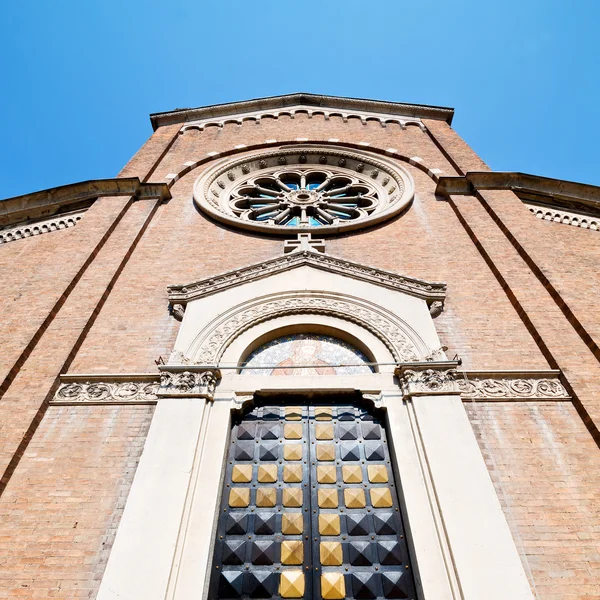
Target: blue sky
80, 78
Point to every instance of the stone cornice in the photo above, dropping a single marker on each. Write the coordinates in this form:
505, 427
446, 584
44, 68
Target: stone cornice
185, 115
182, 294
530, 188
48, 202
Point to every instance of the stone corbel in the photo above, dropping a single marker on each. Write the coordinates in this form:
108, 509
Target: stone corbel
188, 382
428, 378
178, 310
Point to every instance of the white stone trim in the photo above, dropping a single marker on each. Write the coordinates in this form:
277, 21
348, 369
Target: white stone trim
429, 291
140, 563
576, 219
37, 227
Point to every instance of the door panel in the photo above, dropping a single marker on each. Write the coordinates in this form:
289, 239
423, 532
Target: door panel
310, 508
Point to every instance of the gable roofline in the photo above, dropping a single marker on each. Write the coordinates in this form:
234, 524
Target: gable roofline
185, 115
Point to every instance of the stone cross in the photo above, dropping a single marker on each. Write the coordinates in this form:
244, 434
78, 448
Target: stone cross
304, 242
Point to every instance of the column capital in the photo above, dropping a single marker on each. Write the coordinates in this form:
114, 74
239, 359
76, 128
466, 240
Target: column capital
188, 382
428, 378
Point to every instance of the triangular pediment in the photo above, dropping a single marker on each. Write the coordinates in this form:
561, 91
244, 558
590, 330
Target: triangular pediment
428, 291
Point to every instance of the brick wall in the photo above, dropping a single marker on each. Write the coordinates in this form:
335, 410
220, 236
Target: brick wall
545, 468
61, 509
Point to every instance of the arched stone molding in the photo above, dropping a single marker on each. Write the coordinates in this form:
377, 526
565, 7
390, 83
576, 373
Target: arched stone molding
403, 343
355, 335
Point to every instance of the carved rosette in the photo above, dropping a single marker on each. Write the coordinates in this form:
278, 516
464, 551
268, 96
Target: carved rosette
428, 381
188, 384
511, 388
112, 392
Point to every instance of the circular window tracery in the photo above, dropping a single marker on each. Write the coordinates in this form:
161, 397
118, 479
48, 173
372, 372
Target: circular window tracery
294, 190
304, 197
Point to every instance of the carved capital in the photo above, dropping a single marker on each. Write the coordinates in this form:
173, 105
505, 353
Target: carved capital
177, 383
428, 381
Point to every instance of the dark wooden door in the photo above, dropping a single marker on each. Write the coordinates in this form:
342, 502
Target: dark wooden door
310, 508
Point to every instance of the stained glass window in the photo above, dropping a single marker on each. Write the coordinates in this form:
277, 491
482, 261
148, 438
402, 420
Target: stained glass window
306, 354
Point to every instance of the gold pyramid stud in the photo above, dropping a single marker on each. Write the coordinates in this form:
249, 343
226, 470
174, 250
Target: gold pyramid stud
292, 451
323, 414
292, 524
292, 497
292, 431
292, 552
241, 474
354, 498
266, 497
352, 474
377, 473
325, 452
267, 473
329, 524
293, 413
332, 586
327, 498
331, 553
291, 584
324, 431
292, 473
381, 498
239, 497
326, 474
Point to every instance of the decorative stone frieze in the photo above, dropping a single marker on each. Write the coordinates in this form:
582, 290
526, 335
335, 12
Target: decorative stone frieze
184, 382
107, 389
511, 386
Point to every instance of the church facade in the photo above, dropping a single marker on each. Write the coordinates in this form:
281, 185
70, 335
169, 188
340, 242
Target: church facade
301, 347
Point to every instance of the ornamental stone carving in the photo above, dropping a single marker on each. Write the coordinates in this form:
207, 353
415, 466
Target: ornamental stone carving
511, 387
188, 383
429, 291
212, 346
427, 382
110, 392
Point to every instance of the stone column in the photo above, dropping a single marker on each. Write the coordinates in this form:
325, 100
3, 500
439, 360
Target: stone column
480, 547
142, 558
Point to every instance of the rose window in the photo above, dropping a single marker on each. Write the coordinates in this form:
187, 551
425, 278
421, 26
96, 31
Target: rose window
303, 197
298, 189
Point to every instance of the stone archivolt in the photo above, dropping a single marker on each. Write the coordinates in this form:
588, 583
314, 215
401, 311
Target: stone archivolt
393, 334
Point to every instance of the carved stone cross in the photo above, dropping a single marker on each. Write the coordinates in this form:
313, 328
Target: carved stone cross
304, 242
